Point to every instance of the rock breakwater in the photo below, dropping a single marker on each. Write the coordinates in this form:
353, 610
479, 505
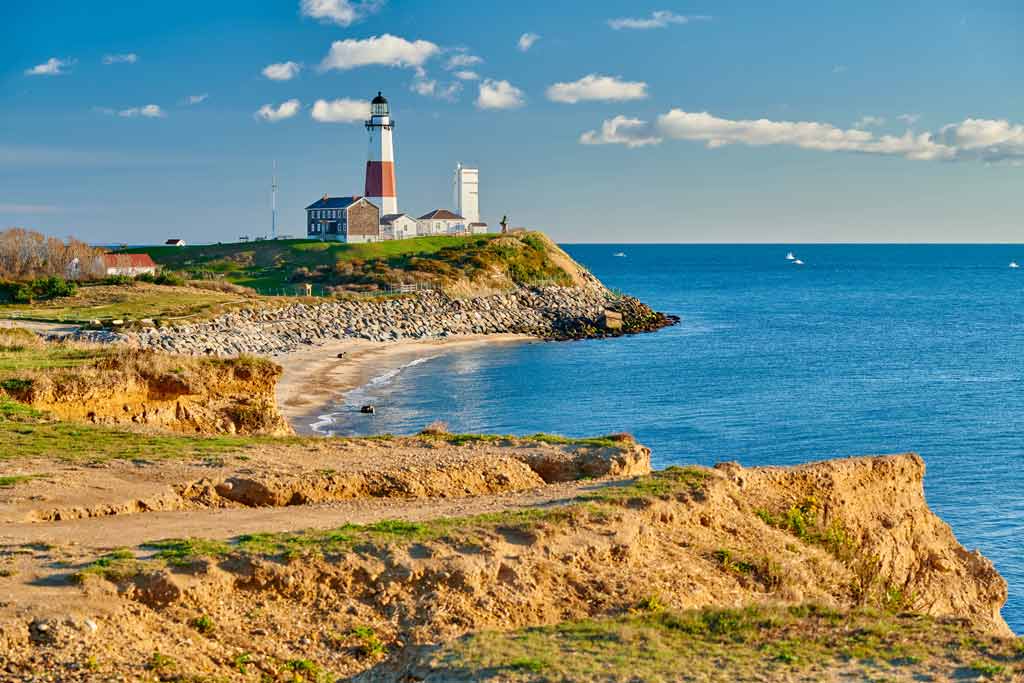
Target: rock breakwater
554, 313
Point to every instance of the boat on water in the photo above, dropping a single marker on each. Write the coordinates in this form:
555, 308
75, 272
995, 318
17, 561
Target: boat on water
1013, 264
790, 257
619, 253
798, 262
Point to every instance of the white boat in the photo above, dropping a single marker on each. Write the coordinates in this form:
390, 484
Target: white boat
790, 257
1013, 264
619, 253
798, 262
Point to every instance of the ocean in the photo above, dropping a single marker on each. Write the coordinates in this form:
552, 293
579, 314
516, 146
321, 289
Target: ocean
861, 350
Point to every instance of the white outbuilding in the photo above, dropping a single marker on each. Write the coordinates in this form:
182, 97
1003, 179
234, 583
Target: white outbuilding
441, 222
397, 226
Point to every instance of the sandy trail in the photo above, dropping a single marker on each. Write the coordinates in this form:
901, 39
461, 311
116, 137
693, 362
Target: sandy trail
315, 378
102, 533
39, 559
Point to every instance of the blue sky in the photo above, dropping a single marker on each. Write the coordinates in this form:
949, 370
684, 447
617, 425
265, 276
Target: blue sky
619, 122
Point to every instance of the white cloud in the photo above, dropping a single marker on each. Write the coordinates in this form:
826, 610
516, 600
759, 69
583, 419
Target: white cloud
462, 59
196, 99
340, 12
499, 95
993, 139
282, 71
385, 50
342, 110
595, 87
659, 19
869, 121
526, 41
467, 75
621, 130
149, 111
990, 140
51, 67
285, 110
428, 87
423, 86
718, 132
909, 119
128, 58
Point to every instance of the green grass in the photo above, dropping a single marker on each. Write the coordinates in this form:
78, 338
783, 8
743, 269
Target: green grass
26, 433
125, 302
10, 481
114, 566
268, 264
753, 643
354, 537
667, 483
611, 441
273, 266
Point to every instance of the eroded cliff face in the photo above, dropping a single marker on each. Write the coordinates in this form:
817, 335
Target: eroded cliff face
843, 534
879, 504
186, 395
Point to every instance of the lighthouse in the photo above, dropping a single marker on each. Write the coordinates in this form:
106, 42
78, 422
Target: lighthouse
380, 163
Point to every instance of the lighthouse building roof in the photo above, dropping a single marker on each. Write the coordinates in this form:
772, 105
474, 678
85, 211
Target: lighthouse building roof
441, 214
326, 202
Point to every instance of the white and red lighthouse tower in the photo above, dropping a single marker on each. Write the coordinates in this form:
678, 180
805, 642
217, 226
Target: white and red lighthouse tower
380, 164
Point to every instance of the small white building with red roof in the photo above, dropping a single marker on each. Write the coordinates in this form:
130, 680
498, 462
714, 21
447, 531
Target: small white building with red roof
128, 264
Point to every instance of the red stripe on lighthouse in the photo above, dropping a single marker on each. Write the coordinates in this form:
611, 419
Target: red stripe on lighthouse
380, 179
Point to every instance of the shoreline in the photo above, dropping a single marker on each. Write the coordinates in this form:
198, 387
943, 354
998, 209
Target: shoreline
314, 378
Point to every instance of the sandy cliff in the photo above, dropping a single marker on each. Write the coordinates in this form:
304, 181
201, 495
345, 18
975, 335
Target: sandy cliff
841, 534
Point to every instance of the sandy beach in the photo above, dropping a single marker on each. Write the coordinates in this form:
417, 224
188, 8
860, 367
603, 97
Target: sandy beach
315, 378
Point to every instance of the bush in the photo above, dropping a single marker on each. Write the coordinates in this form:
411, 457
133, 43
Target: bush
162, 278
39, 289
435, 428
118, 280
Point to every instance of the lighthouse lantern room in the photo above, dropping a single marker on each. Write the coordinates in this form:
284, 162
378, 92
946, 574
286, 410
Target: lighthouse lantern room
380, 163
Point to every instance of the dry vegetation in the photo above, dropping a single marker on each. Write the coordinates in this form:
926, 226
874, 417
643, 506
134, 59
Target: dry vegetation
105, 384
27, 255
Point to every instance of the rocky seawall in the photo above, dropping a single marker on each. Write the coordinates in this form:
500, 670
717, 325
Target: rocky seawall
554, 313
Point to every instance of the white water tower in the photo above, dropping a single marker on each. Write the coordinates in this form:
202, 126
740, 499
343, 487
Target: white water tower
467, 193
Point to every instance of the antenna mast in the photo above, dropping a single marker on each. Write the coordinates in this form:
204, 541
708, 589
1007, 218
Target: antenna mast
273, 203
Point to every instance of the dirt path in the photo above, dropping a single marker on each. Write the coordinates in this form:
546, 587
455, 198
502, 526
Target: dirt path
39, 327
104, 533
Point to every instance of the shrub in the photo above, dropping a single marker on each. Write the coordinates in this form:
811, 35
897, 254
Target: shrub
369, 642
162, 278
435, 428
118, 280
203, 624
39, 289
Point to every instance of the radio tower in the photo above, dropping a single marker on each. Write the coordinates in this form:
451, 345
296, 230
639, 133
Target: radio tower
273, 203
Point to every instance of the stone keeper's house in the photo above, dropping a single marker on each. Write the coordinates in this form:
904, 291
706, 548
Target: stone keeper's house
343, 219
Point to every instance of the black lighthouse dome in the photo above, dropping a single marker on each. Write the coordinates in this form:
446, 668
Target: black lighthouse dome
379, 105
